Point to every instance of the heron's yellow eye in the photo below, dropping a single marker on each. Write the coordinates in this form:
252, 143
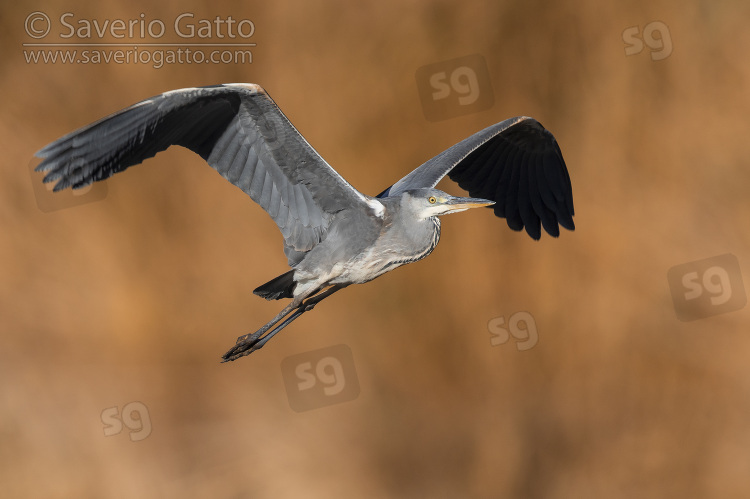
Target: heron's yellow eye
432, 200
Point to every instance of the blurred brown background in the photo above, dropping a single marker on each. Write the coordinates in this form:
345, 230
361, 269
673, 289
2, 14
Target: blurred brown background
133, 298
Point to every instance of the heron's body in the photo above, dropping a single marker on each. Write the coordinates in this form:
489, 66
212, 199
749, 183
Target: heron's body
334, 235
360, 248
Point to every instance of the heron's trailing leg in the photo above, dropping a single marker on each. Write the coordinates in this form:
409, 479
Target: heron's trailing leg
249, 343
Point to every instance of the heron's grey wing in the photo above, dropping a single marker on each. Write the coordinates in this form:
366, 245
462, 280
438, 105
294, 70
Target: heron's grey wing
516, 163
239, 131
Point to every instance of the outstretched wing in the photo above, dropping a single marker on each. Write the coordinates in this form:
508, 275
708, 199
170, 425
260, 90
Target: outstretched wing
516, 163
240, 131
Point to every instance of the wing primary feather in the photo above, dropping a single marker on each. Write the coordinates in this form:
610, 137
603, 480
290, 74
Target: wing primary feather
512, 214
491, 175
552, 174
481, 169
548, 218
567, 186
534, 195
505, 184
525, 207
548, 197
498, 168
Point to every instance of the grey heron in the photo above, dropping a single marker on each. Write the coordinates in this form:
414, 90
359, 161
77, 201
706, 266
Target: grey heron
334, 235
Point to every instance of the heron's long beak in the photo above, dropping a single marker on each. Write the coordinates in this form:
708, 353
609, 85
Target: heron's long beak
460, 204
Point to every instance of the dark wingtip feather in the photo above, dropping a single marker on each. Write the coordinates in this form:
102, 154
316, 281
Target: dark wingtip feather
568, 223
534, 229
521, 168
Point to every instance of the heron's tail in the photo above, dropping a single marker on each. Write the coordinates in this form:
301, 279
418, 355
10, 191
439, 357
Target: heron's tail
278, 287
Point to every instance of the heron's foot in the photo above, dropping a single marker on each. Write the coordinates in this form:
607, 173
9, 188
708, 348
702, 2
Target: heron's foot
249, 343
243, 347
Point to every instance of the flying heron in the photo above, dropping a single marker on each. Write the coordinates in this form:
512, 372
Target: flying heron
334, 235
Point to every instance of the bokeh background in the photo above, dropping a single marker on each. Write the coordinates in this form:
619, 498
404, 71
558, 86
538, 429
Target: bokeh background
134, 297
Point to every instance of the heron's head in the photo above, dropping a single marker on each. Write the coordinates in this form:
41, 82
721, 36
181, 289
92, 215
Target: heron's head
426, 203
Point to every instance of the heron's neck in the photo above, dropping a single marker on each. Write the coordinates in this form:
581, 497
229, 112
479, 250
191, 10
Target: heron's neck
410, 229
423, 234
